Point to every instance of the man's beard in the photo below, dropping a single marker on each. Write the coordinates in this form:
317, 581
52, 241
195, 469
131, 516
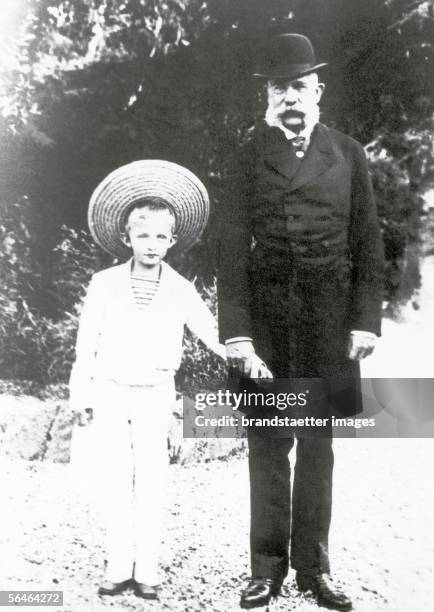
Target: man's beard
280, 116
293, 120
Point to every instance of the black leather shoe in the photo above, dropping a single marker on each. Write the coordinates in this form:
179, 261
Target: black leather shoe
145, 591
113, 588
327, 594
259, 592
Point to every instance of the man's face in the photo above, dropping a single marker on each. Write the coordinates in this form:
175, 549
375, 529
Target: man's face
150, 235
293, 101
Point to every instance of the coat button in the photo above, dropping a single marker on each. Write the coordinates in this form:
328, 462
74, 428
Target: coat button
326, 243
291, 218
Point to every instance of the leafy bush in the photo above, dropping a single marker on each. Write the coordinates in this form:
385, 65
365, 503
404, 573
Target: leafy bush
35, 345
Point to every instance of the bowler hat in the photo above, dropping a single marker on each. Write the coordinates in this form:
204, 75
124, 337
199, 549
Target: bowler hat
184, 193
287, 56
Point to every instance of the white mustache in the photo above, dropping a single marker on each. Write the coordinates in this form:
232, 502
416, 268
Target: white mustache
288, 112
276, 113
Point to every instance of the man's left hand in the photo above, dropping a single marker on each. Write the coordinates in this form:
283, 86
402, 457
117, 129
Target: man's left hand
361, 344
83, 416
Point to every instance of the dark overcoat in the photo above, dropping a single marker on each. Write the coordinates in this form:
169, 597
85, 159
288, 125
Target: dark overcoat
301, 256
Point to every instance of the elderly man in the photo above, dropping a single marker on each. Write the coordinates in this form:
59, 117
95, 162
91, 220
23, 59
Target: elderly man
300, 286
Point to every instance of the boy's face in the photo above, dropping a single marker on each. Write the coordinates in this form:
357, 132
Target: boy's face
150, 234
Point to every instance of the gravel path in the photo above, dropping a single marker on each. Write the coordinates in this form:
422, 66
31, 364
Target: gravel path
382, 539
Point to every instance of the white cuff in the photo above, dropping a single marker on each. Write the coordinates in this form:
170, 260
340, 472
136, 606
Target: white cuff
366, 334
238, 339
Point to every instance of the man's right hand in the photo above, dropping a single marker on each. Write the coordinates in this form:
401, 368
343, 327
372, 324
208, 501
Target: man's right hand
238, 355
258, 368
241, 355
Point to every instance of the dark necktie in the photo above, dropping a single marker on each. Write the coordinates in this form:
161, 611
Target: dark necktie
298, 145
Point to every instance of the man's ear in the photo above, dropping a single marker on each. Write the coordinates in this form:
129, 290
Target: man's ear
320, 90
174, 240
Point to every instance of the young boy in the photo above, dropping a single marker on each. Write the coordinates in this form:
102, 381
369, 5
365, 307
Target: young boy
129, 346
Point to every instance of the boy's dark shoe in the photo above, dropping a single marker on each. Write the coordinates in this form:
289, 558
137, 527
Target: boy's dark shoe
327, 594
145, 591
113, 588
259, 592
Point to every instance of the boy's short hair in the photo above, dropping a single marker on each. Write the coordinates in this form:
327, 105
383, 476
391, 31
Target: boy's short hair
153, 203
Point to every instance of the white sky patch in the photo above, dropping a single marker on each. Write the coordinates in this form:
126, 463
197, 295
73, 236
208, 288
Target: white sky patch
11, 18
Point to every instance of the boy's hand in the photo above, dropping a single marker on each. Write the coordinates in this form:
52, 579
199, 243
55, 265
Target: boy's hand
84, 416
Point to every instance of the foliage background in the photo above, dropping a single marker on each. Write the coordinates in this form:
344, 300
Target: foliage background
94, 84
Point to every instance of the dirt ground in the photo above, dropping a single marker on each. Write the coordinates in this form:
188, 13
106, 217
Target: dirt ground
382, 538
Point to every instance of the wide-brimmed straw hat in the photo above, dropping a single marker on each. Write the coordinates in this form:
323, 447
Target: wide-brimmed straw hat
184, 193
287, 56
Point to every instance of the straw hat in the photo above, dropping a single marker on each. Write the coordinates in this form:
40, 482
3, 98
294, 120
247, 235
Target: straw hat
180, 188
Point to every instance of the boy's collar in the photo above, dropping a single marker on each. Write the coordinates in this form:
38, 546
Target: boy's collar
128, 266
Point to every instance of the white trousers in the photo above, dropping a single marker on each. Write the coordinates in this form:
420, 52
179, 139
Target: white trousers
131, 425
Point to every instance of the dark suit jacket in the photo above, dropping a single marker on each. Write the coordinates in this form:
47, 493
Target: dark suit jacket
301, 257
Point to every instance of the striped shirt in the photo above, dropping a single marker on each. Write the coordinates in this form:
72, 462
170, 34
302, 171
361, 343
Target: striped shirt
144, 290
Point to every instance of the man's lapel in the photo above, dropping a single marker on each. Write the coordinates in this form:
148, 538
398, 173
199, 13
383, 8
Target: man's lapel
319, 157
278, 152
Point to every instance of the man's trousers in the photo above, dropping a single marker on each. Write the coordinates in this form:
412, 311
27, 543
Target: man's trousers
271, 507
131, 425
